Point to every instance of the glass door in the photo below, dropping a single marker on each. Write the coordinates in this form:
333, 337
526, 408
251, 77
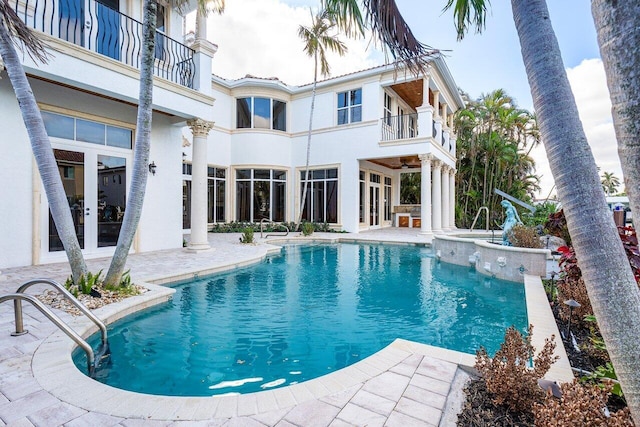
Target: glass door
71, 166
95, 183
111, 197
374, 205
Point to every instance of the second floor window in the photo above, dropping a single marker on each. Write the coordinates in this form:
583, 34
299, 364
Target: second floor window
261, 113
350, 106
387, 109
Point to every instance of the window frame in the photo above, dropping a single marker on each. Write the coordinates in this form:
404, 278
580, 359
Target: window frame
350, 106
272, 120
321, 175
274, 183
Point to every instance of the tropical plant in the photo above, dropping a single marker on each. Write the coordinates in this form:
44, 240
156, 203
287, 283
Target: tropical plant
307, 229
13, 29
610, 183
607, 275
318, 38
247, 235
86, 285
410, 183
618, 28
495, 138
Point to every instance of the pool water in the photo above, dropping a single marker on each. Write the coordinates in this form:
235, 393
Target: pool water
307, 312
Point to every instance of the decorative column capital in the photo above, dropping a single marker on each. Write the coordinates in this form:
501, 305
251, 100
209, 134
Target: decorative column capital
452, 171
199, 127
445, 168
437, 163
425, 158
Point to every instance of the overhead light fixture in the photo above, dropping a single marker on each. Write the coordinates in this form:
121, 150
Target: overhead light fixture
404, 165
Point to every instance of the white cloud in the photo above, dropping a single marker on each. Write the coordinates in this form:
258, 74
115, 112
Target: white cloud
588, 82
249, 43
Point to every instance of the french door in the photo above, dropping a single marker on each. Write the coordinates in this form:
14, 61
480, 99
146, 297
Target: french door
95, 181
374, 205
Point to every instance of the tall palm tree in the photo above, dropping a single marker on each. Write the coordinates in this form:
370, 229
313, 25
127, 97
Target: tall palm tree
13, 29
618, 28
610, 183
143, 136
318, 38
612, 289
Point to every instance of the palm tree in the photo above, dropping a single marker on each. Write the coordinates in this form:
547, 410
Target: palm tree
612, 289
143, 137
618, 28
494, 141
13, 29
610, 183
317, 39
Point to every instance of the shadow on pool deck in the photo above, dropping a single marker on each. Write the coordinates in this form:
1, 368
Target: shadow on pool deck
404, 384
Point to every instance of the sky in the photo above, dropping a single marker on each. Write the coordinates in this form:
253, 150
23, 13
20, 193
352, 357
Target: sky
259, 37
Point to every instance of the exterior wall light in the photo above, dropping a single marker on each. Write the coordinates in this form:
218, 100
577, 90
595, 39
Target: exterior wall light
152, 168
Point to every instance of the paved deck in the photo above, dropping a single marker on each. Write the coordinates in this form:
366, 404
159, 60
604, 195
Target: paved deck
404, 384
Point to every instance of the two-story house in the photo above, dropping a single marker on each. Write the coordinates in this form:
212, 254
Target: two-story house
244, 153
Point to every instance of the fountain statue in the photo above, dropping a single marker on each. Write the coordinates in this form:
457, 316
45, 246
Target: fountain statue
511, 220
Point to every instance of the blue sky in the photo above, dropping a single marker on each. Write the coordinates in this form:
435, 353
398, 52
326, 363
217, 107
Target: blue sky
259, 37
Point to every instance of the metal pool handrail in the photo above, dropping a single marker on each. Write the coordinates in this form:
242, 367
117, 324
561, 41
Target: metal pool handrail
17, 297
73, 300
473, 224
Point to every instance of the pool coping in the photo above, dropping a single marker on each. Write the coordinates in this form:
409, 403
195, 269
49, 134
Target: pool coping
56, 373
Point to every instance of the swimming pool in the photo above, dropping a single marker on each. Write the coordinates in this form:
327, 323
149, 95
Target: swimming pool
307, 312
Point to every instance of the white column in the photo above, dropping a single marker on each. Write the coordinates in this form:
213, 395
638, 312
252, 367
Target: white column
452, 198
200, 129
445, 197
425, 112
436, 196
203, 57
425, 195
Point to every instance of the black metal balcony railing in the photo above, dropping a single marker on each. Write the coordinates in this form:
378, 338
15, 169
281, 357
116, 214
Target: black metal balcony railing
399, 127
100, 29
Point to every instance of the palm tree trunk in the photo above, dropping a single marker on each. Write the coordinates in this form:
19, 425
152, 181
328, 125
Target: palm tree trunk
306, 173
43, 153
618, 27
140, 151
611, 286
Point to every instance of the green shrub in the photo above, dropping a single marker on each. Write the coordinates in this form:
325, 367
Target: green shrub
307, 228
247, 235
85, 284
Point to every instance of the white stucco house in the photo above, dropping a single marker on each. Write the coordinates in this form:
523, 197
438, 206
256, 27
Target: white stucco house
222, 150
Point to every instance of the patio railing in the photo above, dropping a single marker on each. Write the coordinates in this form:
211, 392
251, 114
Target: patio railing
100, 29
399, 127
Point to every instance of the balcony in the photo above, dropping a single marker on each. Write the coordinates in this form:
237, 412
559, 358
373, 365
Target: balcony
399, 127
108, 32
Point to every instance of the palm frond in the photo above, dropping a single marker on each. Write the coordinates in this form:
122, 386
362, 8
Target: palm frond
388, 25
347, 15
24, 37
462, 15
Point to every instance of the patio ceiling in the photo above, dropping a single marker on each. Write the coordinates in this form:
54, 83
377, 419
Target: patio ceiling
410, 92
398, 162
